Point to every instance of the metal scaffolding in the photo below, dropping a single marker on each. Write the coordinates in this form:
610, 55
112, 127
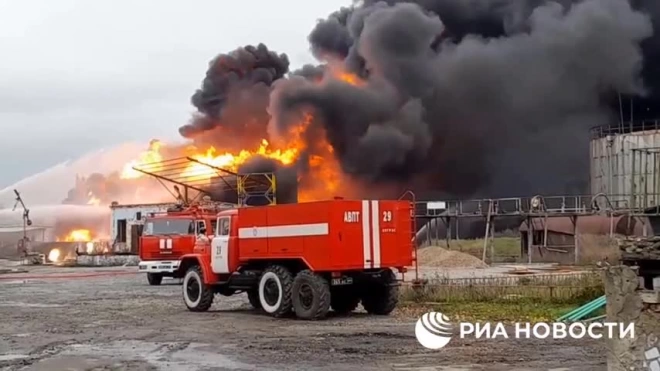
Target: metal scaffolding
206, 179
536, 206
534, 213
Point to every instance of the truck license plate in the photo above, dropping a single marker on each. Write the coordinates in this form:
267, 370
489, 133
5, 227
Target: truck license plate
342, 281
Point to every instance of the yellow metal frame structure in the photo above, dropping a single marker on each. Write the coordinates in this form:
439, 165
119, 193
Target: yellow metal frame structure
256, 185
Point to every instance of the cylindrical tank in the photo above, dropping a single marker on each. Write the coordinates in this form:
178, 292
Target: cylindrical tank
625, 164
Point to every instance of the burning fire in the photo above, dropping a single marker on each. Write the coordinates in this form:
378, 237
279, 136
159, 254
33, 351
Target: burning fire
79, 235
151, 156
93, 200
323, 166
349, 78
54, 255
231, 162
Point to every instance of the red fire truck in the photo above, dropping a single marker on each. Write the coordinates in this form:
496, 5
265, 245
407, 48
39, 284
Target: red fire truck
168, 236
304, 258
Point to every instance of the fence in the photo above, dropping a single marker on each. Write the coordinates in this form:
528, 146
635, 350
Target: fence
551, 288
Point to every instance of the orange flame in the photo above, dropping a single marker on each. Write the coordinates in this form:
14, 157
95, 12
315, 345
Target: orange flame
79, 235
230, 161
54, 255
151, 156
326, 174
349, 78
324, 168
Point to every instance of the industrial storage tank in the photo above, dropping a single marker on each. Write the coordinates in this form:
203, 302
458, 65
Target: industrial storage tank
625, 164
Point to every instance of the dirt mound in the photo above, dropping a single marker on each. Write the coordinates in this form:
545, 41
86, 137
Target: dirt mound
436, 256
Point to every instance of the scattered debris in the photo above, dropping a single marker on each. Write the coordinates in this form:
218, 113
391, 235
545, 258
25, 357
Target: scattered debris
640, 248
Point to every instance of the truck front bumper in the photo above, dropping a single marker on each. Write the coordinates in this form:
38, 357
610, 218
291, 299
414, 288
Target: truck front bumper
160, 266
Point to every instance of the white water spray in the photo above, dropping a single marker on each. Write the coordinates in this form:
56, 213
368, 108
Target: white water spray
50, 187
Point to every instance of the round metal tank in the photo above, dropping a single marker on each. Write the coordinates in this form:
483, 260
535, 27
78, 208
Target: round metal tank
625, 164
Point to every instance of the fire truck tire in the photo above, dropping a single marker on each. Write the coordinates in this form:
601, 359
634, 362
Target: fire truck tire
311, 296
197, 296
381, 299
154, 279
253, 298
344, 301
275, 291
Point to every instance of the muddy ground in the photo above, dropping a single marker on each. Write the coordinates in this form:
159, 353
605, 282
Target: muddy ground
119, 322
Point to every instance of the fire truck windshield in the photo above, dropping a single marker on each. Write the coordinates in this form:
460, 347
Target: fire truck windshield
165, 226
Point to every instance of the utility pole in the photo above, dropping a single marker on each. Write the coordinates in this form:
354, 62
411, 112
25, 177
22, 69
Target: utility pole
26, 220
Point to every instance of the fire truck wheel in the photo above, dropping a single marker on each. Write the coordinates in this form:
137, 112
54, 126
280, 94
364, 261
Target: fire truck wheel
382, 298
253, 298
197, 296
344, 301
275, 291
154, 279
311, 296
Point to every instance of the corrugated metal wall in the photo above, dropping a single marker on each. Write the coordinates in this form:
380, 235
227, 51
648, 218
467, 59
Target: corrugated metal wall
627, 167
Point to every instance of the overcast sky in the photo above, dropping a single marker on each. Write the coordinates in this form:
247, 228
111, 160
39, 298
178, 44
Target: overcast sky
76, 75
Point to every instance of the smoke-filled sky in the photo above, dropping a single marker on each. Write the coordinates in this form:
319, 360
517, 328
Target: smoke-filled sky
468, 98
76, 75
490, 97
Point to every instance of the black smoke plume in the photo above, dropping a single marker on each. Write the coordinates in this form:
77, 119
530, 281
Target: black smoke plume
232, 100
459, 97
483, 97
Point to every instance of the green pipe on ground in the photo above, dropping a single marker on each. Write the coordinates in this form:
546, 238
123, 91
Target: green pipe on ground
588, 309
583, 311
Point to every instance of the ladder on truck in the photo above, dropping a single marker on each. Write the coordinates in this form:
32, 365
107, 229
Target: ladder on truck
410, 195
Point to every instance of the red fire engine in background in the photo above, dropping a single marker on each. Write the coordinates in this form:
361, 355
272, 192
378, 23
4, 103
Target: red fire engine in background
168, 236
304, 258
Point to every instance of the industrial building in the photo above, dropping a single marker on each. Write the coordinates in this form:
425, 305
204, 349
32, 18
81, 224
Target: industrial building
127, 222
624, 199
625, 165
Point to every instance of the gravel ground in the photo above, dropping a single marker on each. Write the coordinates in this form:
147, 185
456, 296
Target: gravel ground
439, 257
119, 322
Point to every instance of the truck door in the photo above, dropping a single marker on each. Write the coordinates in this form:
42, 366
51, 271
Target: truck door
220, 246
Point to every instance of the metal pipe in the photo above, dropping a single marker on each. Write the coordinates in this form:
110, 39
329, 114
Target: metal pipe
483, 258
530, 240
576, 238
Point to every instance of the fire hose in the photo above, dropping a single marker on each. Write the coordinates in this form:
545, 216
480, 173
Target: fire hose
20, 276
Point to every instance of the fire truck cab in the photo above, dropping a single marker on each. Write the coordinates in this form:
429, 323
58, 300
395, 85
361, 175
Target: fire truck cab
303, 258
168, 236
